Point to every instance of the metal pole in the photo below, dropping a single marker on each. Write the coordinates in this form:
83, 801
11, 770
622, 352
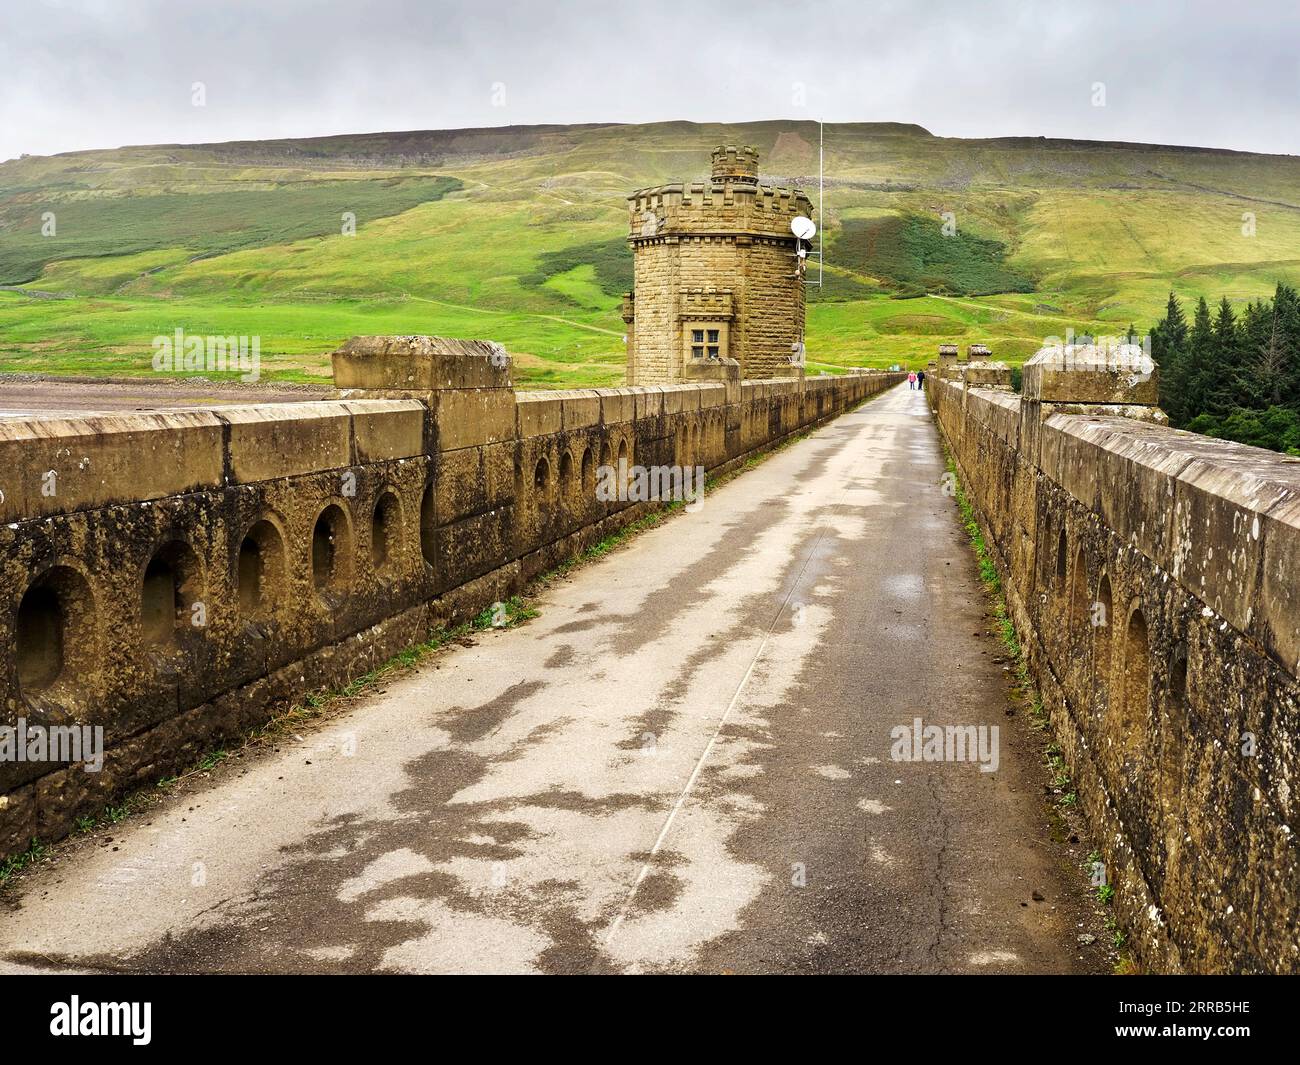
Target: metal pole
821, 199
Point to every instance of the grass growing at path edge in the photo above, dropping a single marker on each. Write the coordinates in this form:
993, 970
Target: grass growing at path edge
1060, 784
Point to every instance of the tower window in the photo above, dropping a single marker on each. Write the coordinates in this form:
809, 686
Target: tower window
706, 341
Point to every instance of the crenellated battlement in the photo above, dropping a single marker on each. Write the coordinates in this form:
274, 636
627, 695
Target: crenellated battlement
707, 303
732, 163
719, 209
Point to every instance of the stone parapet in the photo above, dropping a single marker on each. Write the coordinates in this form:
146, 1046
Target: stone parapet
175, 577
1153, 577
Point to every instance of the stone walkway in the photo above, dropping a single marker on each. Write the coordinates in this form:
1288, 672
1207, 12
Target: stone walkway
684, 764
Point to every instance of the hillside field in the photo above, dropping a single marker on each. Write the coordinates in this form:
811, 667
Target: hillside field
517, 234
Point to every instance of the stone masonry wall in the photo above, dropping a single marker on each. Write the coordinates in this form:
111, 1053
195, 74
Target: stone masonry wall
176, 577
1154, 579
655, 275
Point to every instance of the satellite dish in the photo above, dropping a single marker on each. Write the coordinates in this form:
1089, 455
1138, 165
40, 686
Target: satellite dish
803, 228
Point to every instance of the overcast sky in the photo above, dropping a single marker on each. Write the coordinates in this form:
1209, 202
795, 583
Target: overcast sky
102, 73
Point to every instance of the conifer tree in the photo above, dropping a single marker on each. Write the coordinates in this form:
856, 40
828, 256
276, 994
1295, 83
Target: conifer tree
1226, 388
1270, 364
1235, 376
1168, 343
1198, 361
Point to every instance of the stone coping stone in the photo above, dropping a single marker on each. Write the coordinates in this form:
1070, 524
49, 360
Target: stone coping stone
58, 465
284, 440
1222, 518
420, 363
386, 429
1086, 373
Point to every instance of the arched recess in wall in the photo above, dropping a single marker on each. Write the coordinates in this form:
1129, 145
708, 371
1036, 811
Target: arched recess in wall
1061, 548
624, 454
172, 600
588, 476
1128, 729
331, 553
56, 639
567, 487
261, 575
542, 478
1132, 683
386, 533
1080, 613
1175, 725
1101, 619
429, 523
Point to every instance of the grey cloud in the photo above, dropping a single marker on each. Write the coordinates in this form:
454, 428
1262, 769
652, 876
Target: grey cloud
91, 73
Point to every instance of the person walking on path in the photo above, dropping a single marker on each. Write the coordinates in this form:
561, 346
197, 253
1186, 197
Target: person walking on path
911, 380
920, 380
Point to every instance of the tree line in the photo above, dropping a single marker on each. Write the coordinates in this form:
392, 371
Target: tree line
1233, 376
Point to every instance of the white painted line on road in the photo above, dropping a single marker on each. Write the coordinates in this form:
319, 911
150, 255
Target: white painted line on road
708, 747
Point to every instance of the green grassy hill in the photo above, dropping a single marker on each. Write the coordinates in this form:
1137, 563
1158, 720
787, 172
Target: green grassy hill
516, 234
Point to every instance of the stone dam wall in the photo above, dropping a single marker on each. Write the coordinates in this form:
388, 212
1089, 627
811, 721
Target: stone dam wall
177, 577
1153, 577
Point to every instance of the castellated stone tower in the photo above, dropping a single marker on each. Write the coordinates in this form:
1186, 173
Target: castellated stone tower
716, 276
